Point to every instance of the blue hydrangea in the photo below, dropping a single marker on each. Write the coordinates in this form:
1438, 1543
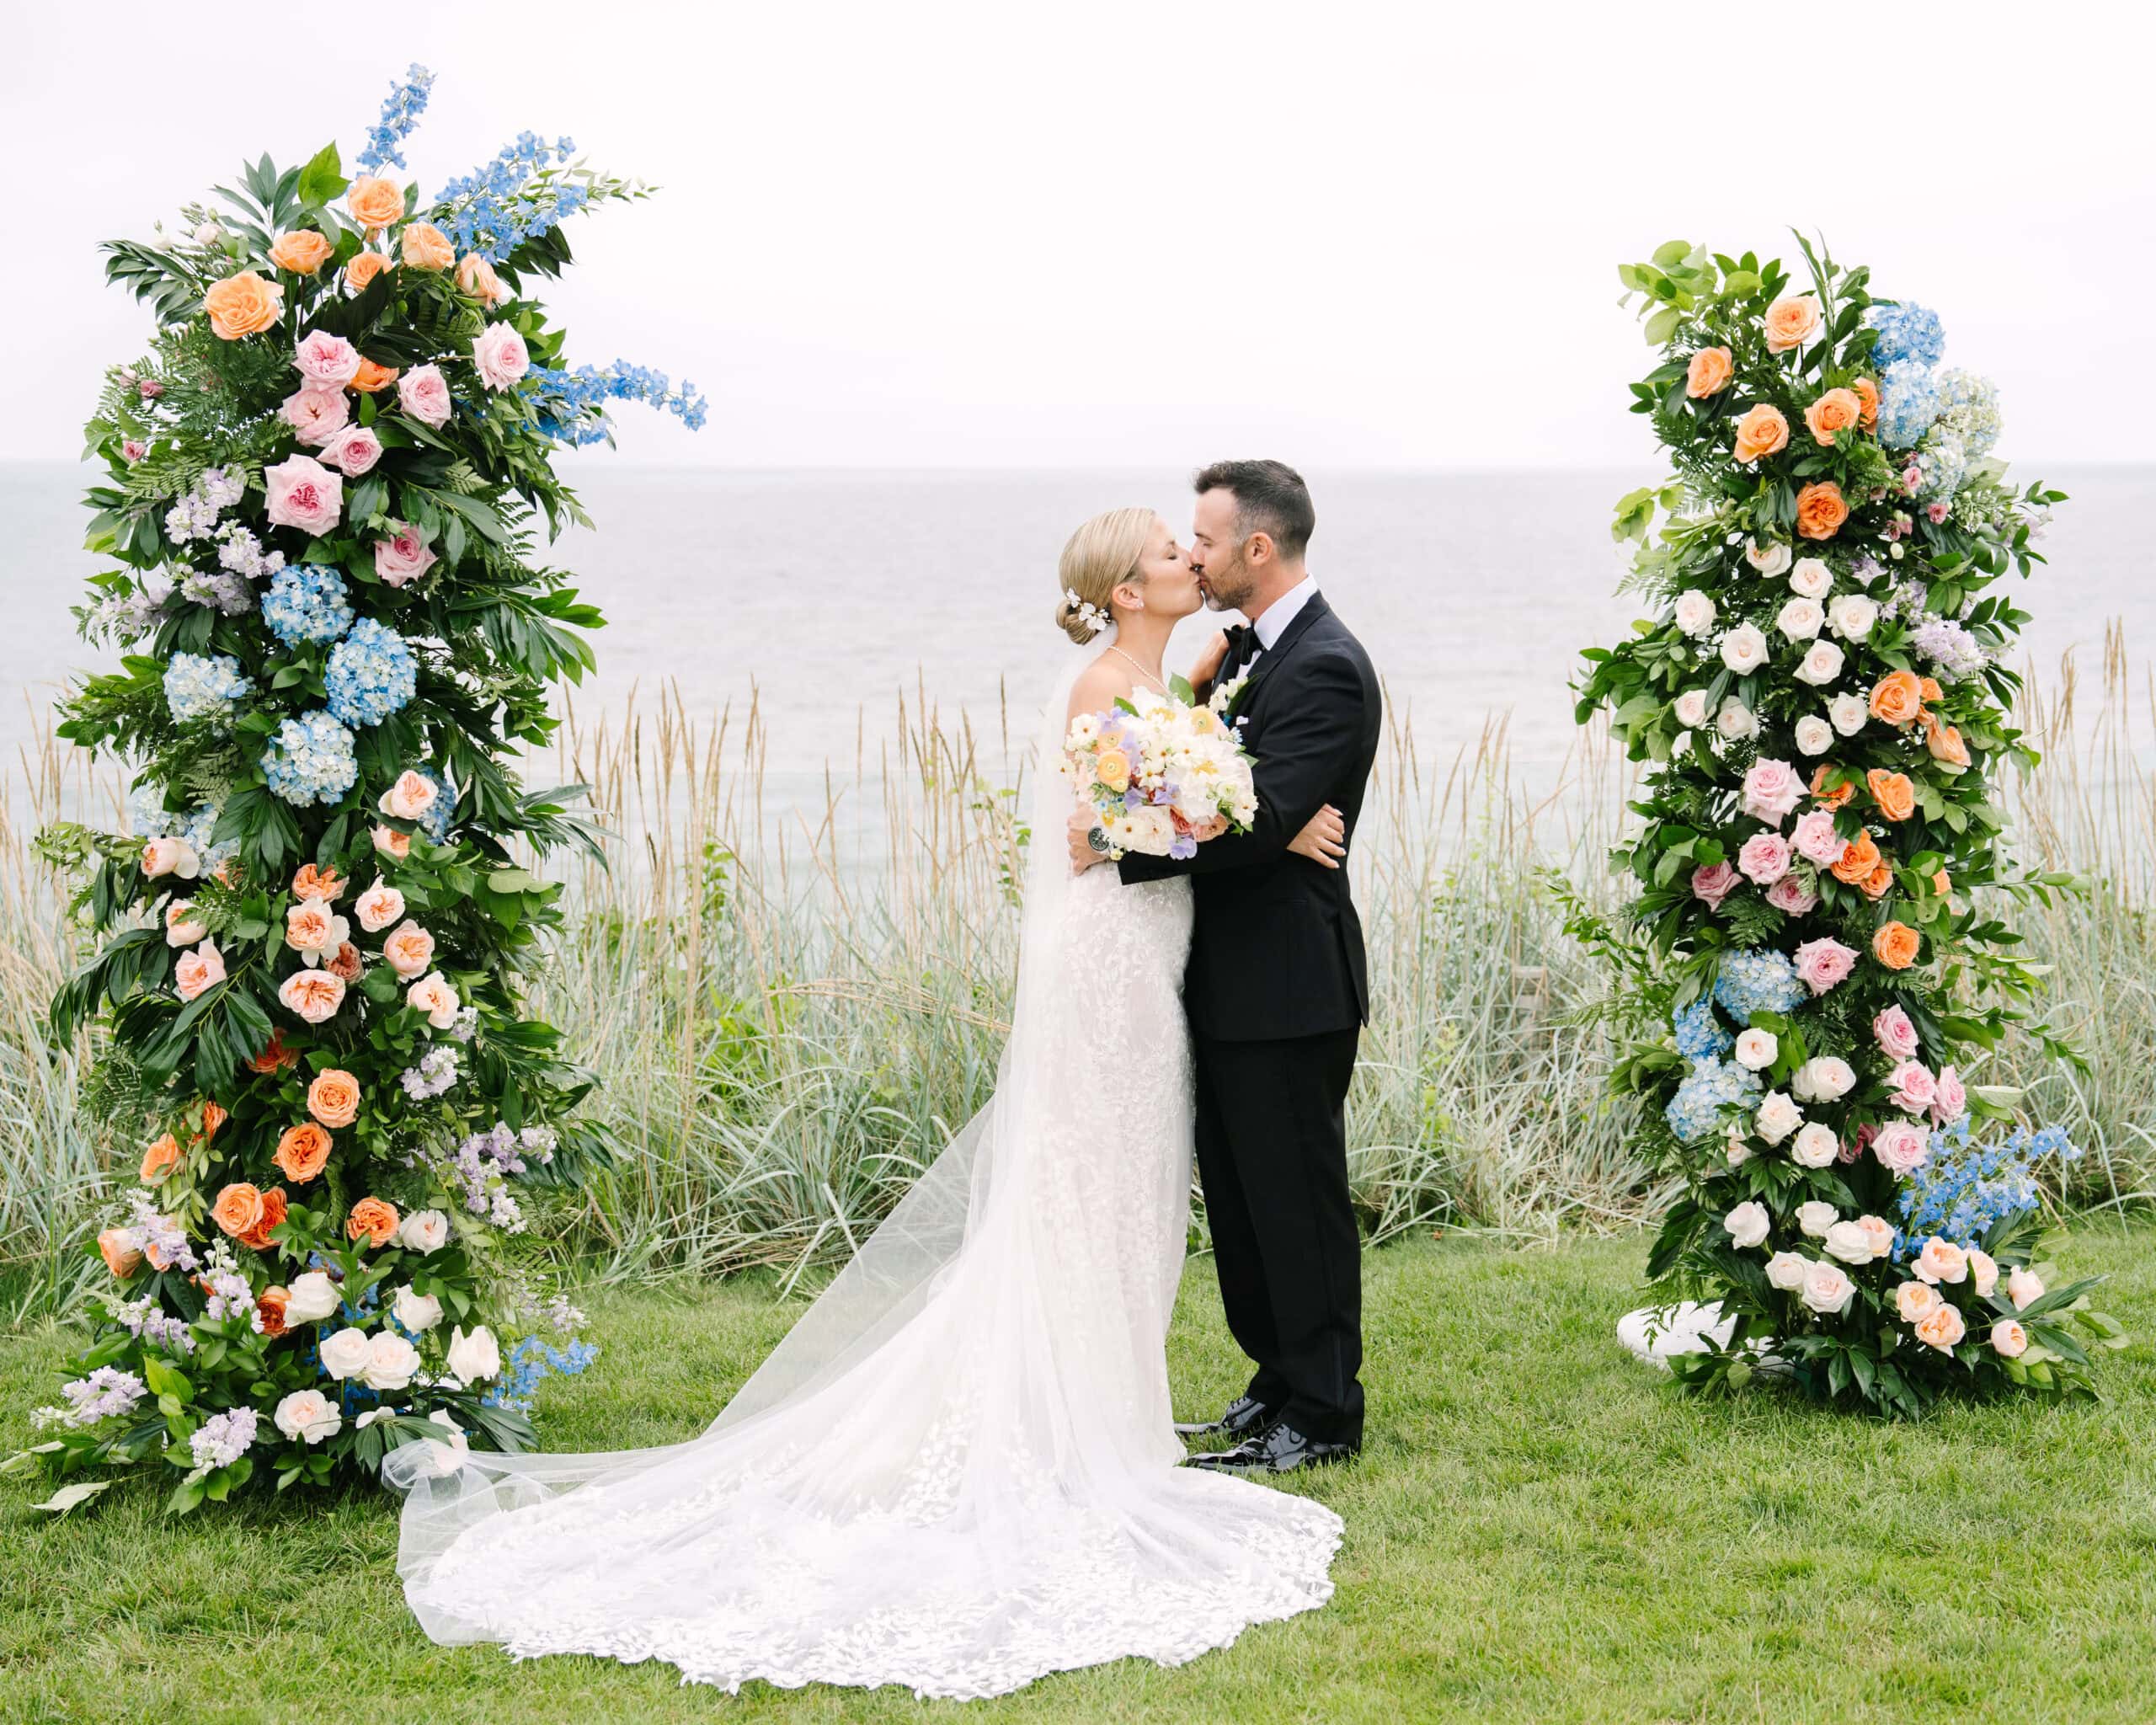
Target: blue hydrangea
1711, 1086
1945, 464
1907, 332
200, 685
371, 675
434, 823
148, 818
1756, 980
311, 761
1969, 408
306, 603
400, 113
1908, 402
1967, 1186
571, 404
1699, 1034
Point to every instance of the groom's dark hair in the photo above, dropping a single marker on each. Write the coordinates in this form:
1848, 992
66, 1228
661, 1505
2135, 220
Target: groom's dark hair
1270, 498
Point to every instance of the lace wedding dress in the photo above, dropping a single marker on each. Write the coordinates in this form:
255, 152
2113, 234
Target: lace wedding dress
957, 1472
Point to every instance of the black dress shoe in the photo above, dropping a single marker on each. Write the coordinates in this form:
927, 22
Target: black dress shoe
1243, 1417
1280, 1449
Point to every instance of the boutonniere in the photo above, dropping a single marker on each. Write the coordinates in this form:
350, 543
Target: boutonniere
1225, 696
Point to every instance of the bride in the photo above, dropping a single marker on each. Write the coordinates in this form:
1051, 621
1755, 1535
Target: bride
959, 1471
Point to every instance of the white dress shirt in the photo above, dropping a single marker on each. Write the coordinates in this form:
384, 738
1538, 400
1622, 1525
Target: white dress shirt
1273, 623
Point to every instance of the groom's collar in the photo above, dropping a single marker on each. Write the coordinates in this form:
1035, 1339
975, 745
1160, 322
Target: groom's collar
1284, 611
1309, 610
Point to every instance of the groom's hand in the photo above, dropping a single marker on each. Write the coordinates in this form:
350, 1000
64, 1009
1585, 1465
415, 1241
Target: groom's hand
1083, 855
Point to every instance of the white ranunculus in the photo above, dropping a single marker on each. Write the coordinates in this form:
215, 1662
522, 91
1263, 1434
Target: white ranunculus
1852, 616
1827, 1289
314, 1297
1747, 1224
1810, 579
1849, 1242
1778, 1116
1815, 1146
1736, 721
1770, 559
474, 1356
1799, 619
423, 1231
1757, 1049
415, 1310
1695, 612
1690, 709
1814, 735
309, 1414
1744, 648
1815, 1218
1848, 713
1821, 664
391, 1361
1786, 1271
344, 1353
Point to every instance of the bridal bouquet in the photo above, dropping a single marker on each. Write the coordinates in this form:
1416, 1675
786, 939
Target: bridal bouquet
1164, 772
319, 503
1816, 960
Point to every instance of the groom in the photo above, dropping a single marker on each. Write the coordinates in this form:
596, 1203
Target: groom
1276, 991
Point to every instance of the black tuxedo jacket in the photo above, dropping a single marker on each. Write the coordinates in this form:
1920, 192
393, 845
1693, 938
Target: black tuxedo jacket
1276, 948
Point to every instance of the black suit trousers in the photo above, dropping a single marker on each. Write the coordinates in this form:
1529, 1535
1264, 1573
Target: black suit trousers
1271, 1142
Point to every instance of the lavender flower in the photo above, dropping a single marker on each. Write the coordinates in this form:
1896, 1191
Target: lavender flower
105, 1393
223, 1437
435, 1073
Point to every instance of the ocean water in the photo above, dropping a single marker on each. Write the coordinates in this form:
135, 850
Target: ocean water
827, 595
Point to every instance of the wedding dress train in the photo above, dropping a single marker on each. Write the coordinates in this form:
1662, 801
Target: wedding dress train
957, 1472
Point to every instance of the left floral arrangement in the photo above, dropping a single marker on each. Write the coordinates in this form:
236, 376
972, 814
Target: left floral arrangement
323, 487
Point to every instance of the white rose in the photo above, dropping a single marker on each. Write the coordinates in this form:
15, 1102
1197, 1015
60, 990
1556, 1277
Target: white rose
309, 1414
415, 1310
1852, 616
1785, 1270
1747, 1224
390, 1361
1849, 1242
1778, 1117
344, 1354
1799, 619
1695, 612
208, 234
1736, 721
1691, 708
423, 1231
446, 1455
1744, 648
1770, 559
1814, 735
1737, 1152
1827, 1290
1849, 713
1815, 1146
474, 1356
314, 1296
1756, 1049
1810, 579
1821, 665
1823, 1078
1815, 1218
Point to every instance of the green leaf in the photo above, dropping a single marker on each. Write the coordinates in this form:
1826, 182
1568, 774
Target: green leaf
323, 179
1662, 325
69, 1497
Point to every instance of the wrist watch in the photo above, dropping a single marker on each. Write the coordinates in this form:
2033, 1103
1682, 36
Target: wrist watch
1098, 839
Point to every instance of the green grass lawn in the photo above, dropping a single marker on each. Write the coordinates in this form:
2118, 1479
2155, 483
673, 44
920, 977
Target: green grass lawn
1538, 1530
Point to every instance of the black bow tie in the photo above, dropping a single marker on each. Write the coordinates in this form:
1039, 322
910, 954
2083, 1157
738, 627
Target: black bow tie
1242, 647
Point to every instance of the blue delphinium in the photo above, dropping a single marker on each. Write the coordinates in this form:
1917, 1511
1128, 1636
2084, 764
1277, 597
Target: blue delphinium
1965, 1186
1699, 1034
1969, 408
1907, 332
1908, 402
531, 1360
1710, 1087
496, 206
371, 675
311, 761
400, 113
1756, 980
571, 404
199, 685
306, 603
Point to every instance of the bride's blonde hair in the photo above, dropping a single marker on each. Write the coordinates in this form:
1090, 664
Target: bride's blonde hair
1099, 557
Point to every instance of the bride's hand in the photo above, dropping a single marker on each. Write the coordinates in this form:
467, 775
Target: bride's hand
1079, 835
1210, 658
1324, 840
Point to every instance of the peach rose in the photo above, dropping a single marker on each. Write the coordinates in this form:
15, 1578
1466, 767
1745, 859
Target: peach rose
1941, 883
1708, 372
325, 885
374, 203
1857, 859
2008, 1339
1945, 745
181, 929
313, 995
212, 1118
303, 1152
373, 1218
363, 269
476, 276
1833, 798
426, 247
1837, 410
334, 1097
1821, 510
1878, 883
346, 964
379, 906
408, 947
243, 305
198, 971
1892, 791
1915, 1300
433, 995
1790, 322
1929, 688
1867, 395
1762, 431
272, 1217
238, 1209
411, 796
310, 930
160, 1159
1942, 1326
1112, 768
1898, 699
302, 251
370, 377
275, 1055
121, 1255
1895, 945
270, 1302
393, 844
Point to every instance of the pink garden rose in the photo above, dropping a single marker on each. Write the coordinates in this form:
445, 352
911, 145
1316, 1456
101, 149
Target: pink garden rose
198, 971
1794, 894
2008, 1339
1765, 858
169, 856
1771, 789
410, 797
326, 361
1815, 839
1941, 1260
315, 415
2024, 1287
1901, 1146
404, 558
1950, 1100
303, 494
424, 393
132, 450
1914, 1089
378, 906
354, 450
433, 995
1714, 884
1822, 963
1898, 1036
409, 948
499, 358
181, 929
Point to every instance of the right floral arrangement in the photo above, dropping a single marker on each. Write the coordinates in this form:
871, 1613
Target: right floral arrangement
1816, 960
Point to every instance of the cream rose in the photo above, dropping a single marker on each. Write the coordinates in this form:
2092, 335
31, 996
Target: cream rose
1736, 721
1694, 612
1849, 1242
1801, 619
423, 1231
1770, 559
344, 1353
1756, 1049
1815, 1146
391, 1361
1744, 648
314, 1297
1777, 1117
1815, 1218
1810, 578
1786, 1271
1690, 709
415, 1310
1827, 1289
308, 1414
1747, 1224
474, 1356
1814, 735
1821, 664
1852, 616
1848, 713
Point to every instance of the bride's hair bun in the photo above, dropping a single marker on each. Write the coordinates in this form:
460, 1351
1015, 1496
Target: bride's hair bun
1100, 555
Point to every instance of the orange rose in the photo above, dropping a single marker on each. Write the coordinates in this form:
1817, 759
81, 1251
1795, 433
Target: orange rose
303, 1152
1834, 798
310, 883
1945, 744
1112, 768
1895, 945
273, 1216
1790, 322
1761, 431
1892, 791
160, 1159
375, 1218
1858, 861
374, 203
302, 251
1820, 511
1929, 689
1867, 394
275, 1055
270, 1302
1941, 884
237, 1210
370, 377
1876, 885
1708, 372
334, 1097
1898, 698
243, 305
121, 1255
212, 1118
476, 276
1837, 410
363, 269
426, 247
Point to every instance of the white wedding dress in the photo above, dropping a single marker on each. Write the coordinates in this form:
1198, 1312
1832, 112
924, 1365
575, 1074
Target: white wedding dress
959, 1471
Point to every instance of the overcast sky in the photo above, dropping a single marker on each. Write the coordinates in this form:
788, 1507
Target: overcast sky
1099, 234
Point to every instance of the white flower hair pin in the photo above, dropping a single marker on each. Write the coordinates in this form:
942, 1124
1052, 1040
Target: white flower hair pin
1091, 614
